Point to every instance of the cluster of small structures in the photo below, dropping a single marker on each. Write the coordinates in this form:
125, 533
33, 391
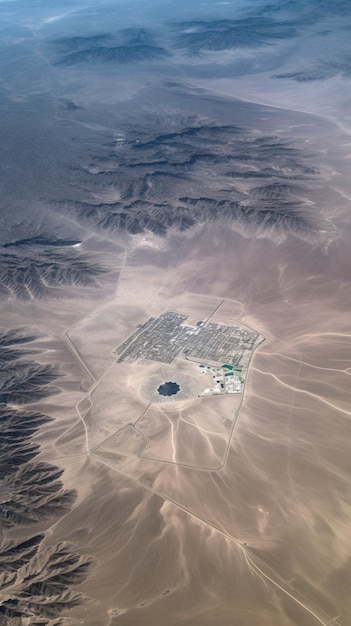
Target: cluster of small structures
216, 342
163, 338
159, 339
226, 379
207, 344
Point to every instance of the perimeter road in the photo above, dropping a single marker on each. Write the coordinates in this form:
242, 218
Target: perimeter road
74, 350
321, 616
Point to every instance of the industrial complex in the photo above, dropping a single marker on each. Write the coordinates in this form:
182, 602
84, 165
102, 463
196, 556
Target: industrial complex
222, 351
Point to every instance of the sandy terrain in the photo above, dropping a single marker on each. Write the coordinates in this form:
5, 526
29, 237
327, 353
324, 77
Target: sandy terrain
161, 156
266, 534
195, 512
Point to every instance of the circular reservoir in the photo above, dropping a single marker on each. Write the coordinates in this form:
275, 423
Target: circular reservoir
168, 389
170, 382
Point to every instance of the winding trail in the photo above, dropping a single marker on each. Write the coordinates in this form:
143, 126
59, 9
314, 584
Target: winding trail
317, 367
303, 391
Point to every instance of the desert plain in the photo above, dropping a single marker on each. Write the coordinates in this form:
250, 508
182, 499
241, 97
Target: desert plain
191, 187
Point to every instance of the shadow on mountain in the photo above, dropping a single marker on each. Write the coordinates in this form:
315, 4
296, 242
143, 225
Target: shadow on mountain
14, 554
216, 35
33, 493
305, 12
16, 428
40, 587
35, 269
15, 336
35, 579
321, 71
22, 381
42, 240
26, 381
12, 346
263, 184
128, 46
68, 44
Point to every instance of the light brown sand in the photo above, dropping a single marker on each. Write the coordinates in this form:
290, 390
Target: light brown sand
265, 538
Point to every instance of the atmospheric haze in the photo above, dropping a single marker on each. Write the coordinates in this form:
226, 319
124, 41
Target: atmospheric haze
175, 328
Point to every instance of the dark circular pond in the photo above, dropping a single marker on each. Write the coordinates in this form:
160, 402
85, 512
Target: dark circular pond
168, 389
